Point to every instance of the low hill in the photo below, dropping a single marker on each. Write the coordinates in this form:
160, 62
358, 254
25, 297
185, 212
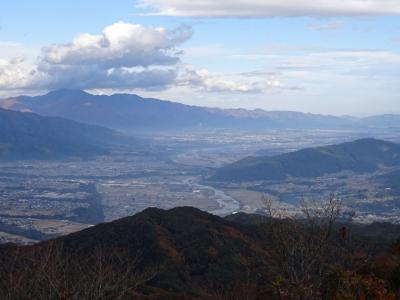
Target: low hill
364, 155
30, 136
184, 253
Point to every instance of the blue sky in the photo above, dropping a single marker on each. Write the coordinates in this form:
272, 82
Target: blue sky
302, 56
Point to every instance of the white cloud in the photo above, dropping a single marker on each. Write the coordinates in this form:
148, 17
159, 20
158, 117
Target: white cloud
124, 56
120, 45
271, 8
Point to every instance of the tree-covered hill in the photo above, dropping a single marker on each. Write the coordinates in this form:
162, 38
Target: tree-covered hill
185, 253
364, 155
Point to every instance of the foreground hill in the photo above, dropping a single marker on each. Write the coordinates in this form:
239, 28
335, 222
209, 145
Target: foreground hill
133, 113
179, 252
364, 155
185, 253
30, 136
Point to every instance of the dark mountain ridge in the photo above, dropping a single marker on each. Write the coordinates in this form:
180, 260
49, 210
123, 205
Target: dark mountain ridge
364, 155
133, 113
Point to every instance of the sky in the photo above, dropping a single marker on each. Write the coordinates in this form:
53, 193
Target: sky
339, 57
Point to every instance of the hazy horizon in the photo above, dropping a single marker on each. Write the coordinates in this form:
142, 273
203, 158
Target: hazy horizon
198, 105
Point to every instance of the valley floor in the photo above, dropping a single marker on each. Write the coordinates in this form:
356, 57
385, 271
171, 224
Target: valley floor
43, 199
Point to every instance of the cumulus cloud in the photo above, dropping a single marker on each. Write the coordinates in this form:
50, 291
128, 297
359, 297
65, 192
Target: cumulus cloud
272, 8
124, 55
120, 45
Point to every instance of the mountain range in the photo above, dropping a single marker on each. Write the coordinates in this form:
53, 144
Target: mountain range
130, 112
364, 155
25, 135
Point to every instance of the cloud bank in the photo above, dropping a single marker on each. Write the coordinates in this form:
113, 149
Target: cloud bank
271, 8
